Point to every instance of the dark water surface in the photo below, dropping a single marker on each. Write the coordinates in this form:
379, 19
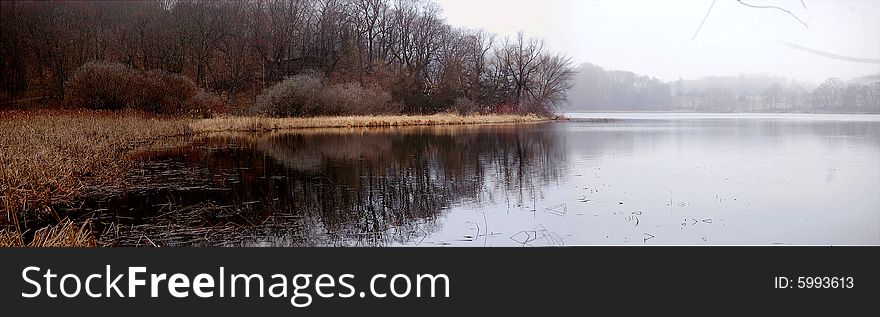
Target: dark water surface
626, 179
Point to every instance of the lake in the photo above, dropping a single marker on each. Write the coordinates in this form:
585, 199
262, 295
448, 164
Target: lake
597, 179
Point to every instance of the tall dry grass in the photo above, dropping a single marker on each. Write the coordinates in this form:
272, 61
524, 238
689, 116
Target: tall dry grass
66, 233
222, 124
52, 157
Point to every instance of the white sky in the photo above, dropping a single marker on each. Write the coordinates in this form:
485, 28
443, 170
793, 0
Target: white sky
654, 37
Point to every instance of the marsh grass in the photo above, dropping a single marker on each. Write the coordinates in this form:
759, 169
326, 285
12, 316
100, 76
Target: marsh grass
204, 224
11, 237
54, 157
262, 124
65, 233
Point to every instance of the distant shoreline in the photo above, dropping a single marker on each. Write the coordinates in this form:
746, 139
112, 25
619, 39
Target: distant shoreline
707, 112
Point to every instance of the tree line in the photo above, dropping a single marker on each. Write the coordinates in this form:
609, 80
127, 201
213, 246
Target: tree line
237, 49
598, 89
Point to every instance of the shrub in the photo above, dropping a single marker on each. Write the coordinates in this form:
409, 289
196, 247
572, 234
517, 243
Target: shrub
298, 95
306, 95
98, 85
160, 92
101, 85
465, 106
204, 104
352, 99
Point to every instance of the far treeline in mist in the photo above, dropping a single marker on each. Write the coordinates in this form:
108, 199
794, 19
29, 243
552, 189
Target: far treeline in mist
279, 58
598, 89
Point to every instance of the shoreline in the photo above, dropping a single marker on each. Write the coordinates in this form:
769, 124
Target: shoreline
54, 157
265, 124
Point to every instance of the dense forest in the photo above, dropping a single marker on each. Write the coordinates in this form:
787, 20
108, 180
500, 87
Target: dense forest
610, 90
269, 57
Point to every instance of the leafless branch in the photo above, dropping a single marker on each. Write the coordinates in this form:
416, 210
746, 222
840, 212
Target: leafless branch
831, 55
777, 8
704, 20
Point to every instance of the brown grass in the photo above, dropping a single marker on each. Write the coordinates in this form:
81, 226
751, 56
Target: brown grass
11, 238
54, 157
222, 124
66, 233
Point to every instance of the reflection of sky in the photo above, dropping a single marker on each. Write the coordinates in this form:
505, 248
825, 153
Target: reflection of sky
710, 180
688, 181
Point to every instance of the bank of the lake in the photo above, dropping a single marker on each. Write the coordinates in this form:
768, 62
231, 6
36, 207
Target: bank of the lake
53, 158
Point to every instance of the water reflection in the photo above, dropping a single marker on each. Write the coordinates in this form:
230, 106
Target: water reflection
719, 180
328, 187
805, 179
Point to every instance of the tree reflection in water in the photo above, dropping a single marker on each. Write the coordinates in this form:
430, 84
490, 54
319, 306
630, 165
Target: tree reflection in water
329, 186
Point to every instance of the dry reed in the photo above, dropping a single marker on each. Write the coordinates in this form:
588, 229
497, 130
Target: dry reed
66, 233
53, 157
269, 124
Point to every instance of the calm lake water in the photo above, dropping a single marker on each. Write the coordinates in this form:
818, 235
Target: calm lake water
599, 179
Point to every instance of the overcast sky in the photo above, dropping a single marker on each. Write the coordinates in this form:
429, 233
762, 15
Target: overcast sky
654, 37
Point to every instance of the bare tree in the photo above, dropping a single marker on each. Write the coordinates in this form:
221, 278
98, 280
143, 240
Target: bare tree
554, 76
521, 59
236, 48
